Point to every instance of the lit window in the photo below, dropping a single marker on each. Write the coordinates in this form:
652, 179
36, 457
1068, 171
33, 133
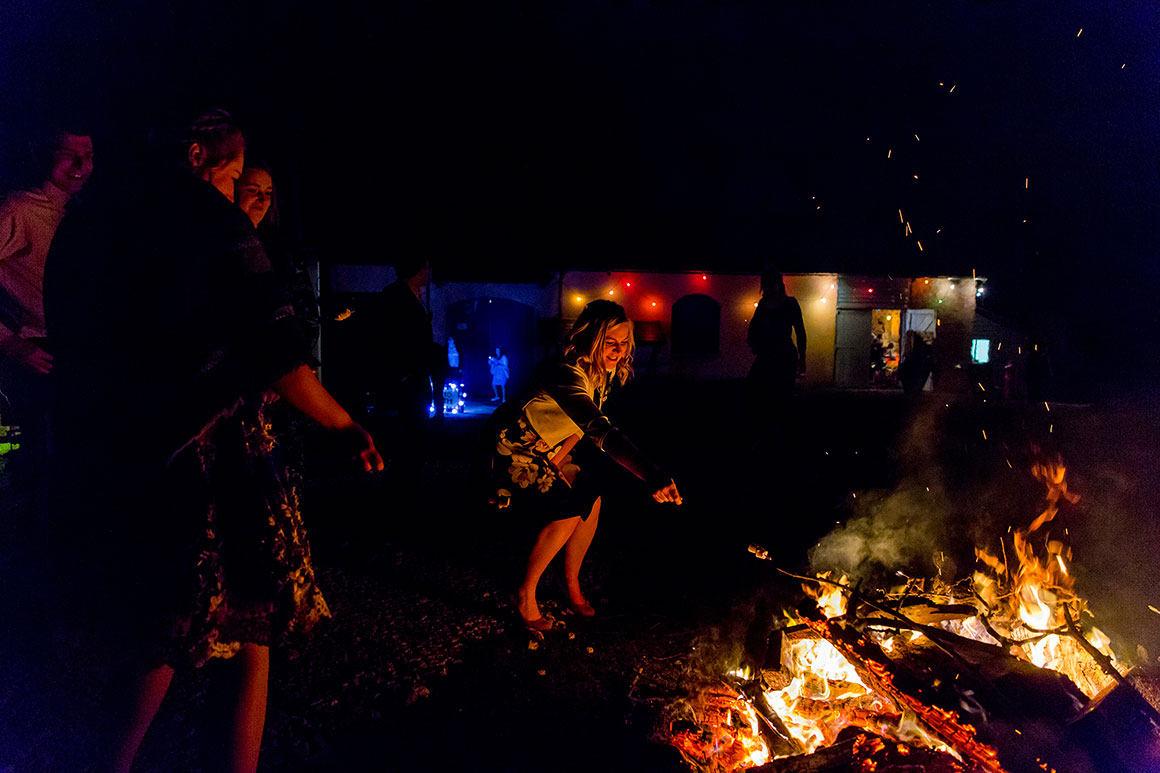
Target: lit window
980, 350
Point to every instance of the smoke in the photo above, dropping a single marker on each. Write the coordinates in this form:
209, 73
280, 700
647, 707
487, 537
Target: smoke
903, 529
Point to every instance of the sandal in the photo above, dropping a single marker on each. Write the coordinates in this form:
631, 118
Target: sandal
539, 625
584, 610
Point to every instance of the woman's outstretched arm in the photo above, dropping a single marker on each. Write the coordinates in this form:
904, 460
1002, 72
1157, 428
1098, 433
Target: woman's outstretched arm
302, 390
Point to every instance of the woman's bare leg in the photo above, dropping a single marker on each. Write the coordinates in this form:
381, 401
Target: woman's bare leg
250, 708
548, 544
148, 694
576, 549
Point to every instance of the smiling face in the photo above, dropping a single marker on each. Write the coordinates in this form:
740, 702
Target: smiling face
254, 193
617, 342
72, 163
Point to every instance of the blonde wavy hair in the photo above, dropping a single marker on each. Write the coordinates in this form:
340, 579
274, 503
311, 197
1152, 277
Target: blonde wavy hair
585, 345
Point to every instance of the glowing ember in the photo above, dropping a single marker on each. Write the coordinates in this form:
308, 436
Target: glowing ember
722, 733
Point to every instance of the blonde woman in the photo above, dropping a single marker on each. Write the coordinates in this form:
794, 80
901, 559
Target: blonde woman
533, 468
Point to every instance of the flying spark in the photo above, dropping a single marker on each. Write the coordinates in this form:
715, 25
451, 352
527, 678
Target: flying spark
1080, 32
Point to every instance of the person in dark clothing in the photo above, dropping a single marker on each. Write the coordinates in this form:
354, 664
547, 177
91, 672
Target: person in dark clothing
917, 366
172, 337
778, 362
400, 390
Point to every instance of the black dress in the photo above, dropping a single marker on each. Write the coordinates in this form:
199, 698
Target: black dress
546, 446
169, 328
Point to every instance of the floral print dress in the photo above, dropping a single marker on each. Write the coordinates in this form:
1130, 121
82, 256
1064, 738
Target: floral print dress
544, 461
248, 575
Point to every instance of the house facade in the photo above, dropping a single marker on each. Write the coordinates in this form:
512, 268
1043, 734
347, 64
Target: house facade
694, 324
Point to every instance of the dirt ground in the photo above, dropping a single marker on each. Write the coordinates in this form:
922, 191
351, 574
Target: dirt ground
425, 667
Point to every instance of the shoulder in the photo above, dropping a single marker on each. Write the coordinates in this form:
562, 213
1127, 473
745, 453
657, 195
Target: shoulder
18, 202
563, 374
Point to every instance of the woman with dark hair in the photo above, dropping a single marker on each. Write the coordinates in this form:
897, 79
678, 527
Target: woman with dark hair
169, 319
533, 468
499, 375
256, 195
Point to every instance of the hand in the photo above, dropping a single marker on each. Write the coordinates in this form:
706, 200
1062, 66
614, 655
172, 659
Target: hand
668, 494
801, 368
27, 354
365, 451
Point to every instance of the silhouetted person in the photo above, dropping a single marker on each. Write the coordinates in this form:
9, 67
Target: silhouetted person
399, 334
776, 321
28, 222
1039, 373
173, 336
917, 366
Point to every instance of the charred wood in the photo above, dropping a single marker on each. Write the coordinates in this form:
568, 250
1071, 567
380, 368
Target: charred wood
857, 750
1121, 727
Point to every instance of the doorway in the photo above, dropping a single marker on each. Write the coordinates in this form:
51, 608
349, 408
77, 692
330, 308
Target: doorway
478, 327
852, 348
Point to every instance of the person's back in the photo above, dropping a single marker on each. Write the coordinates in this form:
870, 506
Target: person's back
143, 297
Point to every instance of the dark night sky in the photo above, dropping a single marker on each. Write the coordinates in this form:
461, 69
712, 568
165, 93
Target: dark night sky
495, 136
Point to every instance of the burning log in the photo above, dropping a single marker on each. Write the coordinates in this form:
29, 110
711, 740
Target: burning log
904, 690
780, 739
865, 751
1122, 728
995, 671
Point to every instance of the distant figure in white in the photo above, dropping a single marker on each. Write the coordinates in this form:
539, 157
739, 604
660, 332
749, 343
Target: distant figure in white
499, 375
452, 355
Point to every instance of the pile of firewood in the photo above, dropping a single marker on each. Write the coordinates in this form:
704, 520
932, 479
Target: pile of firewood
984, 707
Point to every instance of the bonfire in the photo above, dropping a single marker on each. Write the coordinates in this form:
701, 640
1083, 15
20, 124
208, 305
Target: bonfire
998, 672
